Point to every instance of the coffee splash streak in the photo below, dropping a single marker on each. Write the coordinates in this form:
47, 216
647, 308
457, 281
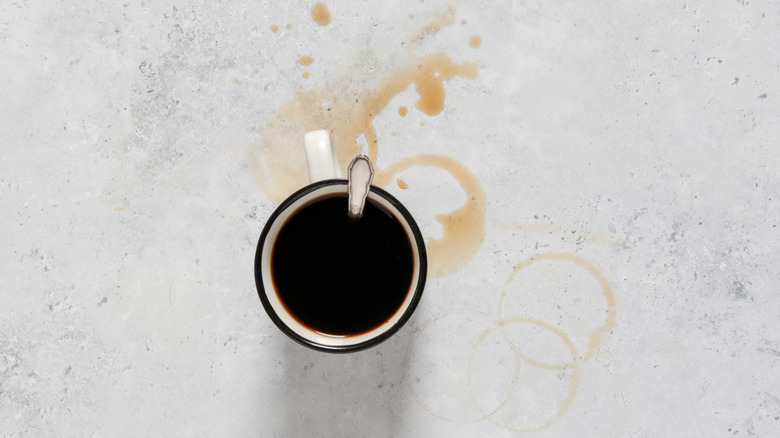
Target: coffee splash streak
279, 165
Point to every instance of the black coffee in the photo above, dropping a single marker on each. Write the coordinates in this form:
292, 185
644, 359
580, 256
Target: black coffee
339, 275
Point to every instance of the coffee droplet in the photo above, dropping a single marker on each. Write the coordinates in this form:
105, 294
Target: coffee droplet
401, 184
475, 41
463, 21
305, 60
402, 111
288, 26
274, 28
320, 14
305, 75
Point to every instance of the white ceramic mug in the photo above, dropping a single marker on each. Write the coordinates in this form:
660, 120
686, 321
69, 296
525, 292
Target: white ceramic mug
325, 181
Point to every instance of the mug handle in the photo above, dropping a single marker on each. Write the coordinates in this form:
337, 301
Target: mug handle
321, 156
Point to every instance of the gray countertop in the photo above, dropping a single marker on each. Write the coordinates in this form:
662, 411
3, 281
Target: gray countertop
598, 184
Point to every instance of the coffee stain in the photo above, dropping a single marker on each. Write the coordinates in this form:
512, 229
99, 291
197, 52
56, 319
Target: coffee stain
274, 28
433, 25
401, 184
574, 380
504, 323
575, 367
305, 75
320, 14
407, 365
279, 165
463, 21
475, 41
288, 26
596, 336
463, 229
305, 60
402, 111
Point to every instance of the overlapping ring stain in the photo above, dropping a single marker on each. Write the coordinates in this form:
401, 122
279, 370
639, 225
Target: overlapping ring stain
541, 386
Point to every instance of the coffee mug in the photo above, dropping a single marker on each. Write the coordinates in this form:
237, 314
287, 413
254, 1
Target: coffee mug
333, 282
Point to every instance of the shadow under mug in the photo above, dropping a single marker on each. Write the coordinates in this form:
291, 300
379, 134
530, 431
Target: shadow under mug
283, 316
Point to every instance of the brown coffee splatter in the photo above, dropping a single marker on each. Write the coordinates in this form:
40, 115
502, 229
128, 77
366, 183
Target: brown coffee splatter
305, 75
475, 41
288, 26
463, 21
320, 14
274, 28
402, 111
279, 164
305, 60
401, 184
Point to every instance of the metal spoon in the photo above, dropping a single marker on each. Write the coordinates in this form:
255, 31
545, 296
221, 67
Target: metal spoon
360, 174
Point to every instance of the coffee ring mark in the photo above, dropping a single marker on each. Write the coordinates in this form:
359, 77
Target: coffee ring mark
574, 379
596, 335
407, 366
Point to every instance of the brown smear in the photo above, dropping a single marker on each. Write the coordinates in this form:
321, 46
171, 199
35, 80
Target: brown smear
320, 14
348, 112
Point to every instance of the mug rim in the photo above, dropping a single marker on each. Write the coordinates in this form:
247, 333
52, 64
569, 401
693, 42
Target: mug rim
416, 240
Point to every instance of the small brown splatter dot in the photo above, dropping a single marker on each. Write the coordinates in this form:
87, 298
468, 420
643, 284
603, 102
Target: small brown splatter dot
320, 13
305, 60
475, 41
274, 28
411, 15
401, 184
463, 21
422, 123
288, 26
402, 111
306, 75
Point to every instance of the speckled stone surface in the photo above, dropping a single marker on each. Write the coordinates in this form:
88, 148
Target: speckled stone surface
627, 284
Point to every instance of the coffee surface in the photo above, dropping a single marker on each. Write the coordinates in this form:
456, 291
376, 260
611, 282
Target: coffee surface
338, 275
